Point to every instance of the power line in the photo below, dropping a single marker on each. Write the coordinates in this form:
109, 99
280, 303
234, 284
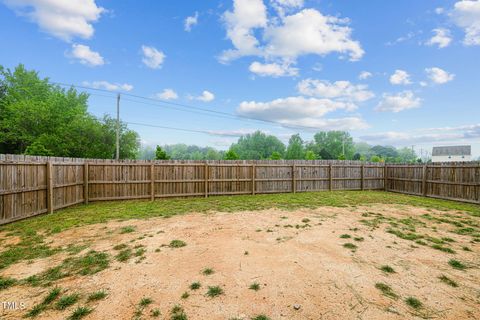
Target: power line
191, 108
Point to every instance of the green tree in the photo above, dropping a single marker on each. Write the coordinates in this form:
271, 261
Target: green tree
276, 156
231, 155
310, 155
257, 146
37, 117
332, 144
296, 148
160, 154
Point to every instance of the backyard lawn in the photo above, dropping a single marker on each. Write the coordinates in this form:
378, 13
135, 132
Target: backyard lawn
319, 255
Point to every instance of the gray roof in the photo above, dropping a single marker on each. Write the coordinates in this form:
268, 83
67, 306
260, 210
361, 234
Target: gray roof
452, 151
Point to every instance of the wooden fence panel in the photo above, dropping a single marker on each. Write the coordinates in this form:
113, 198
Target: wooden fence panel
25, 181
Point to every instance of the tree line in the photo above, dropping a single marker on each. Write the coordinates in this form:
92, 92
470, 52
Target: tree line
325, 145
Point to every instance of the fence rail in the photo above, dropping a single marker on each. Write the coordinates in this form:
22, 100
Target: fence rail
35, 185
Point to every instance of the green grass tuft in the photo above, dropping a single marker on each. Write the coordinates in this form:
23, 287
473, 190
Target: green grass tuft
345, 236
457, 264
79, 313
413, 302
124, 255
185, 295
127, 229
208, 271
261, 317
387, 269
66, 301
195, 286
448, 281
145, 302
386, 290
349, 245
254, 286
214, 291
177, 244
97, 295
6, 283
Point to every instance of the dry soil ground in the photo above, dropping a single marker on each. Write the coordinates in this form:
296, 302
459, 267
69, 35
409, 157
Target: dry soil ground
299, 259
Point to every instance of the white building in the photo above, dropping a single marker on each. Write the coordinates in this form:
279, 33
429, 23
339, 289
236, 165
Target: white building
452, 154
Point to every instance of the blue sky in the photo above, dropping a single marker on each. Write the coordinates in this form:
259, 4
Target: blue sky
403, 73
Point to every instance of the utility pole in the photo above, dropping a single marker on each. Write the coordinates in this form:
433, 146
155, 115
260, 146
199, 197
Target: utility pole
117, 153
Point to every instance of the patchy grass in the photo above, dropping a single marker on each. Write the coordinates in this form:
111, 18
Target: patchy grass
185, 295
349, 245
91, 263
177, 313
120, 246
177, 244
359, 239
6, 283
124, 255
254, 286
457, 264
155, 313
448, 281
387, 269
66, 301
79, 313
145, 302
345, 236
32, 231
442, 248
208, 271
261, 317
413, 303
386, 290
97, 295
195, 285
214, 291
39, 308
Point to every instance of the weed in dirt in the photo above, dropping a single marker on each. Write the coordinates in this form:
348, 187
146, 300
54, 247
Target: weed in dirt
345, 236
145, 302
97, 295
208, 271
305, 220
75, 249
413, 303
447, 239
349, 245
466, 249
79, 313
177, 244
261, 317
127, 229
185, 295
6, 283
457, 264
387, 269
51, 296
448, 281
140, 252
421, 242
124, 255
359, 239
35, 311
120, 246
254, 286
66, 301
177, 313
91, 263
443, 249
386, 290
214, 291
155, 313
195, 285
405, 236
245, 253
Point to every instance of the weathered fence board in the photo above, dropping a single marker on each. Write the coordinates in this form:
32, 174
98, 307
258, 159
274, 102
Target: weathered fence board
35, 185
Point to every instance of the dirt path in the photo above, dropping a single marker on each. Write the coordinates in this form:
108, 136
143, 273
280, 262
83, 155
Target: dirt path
297, 257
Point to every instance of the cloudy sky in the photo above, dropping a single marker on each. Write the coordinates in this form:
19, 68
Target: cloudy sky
401, 73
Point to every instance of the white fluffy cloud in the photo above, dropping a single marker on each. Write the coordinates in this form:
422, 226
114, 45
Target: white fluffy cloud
190, 22
85, 55
272, 69
288, 36
400, 77
466, 15
439, 76
152, 57
301, 111
167, 94
108, 85
441, 38
398, 102
340, 90
284, 6
364, 75
206, 96
62, 19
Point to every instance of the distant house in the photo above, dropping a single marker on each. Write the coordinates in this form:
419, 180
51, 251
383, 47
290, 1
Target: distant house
452, 154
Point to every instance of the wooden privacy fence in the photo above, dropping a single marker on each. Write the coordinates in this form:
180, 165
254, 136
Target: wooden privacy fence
35, 185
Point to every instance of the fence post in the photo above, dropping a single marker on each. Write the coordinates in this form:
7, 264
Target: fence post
152, 182
362, 183
206, 180
330, 183
385, 177
49, 187
294, 180
424, 181
254, 173
85, 182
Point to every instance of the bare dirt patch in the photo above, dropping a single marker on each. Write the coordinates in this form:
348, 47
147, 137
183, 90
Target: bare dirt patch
298, 259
